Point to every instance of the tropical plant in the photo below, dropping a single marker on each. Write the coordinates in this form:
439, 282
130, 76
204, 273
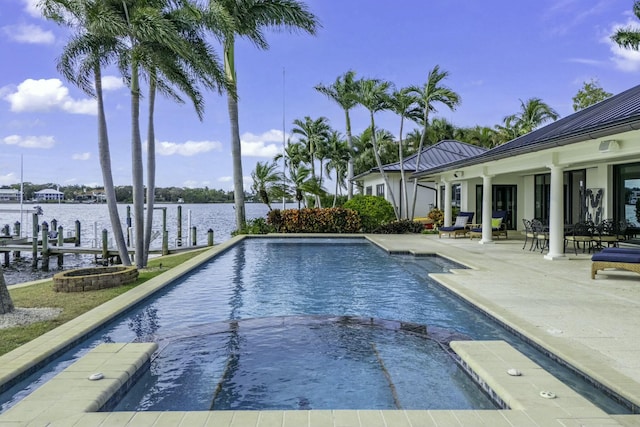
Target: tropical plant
629, 37
313, 135
94, 45
403, 103
374, 211
342, 91
302, 182
432, 92
590, 93
266, 182
249, 18
373, 94
533, 113
339, 156
6, 303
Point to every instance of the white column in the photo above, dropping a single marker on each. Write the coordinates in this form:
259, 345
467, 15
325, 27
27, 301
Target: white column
487, 204
556, 215
447, 202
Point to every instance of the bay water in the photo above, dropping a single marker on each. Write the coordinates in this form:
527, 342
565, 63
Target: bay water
219, 217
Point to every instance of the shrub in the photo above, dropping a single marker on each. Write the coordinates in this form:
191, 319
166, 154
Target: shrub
437, 216
316, 220
400, 227
374, 211
255, 226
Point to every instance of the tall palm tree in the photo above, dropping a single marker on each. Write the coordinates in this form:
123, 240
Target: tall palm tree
94, 45
429, 94
403, 103
249, 18
338, 156
266, 178
373, 94
313, 134
170, 68
342, 91
629, 37
294, 154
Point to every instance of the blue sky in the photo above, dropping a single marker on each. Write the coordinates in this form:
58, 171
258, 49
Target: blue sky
497, 53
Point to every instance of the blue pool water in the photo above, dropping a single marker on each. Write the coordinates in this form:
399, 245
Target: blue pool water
261, 281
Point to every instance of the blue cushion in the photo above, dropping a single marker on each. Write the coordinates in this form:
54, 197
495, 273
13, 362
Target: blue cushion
621, 250
450, 228
633, 258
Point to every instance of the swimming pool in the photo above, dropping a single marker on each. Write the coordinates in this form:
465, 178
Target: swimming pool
283, 277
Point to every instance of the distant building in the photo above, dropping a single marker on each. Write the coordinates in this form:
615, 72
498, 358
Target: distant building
9, 195
48, 194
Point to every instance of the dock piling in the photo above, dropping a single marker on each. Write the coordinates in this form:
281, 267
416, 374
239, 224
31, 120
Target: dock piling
77, 242
210, 237
45, 246
179, 239
34, 241
105, 248
193, 236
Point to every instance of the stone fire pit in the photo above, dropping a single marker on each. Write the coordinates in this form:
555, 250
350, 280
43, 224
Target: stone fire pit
94, 278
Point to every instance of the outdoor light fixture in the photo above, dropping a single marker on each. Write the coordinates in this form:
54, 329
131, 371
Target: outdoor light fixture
458, 174
608, 145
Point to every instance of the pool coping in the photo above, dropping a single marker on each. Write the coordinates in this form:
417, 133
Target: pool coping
24, 358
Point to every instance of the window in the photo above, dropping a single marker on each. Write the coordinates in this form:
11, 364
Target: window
368, 191
380, 190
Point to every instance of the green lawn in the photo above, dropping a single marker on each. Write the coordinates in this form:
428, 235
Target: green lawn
73, 304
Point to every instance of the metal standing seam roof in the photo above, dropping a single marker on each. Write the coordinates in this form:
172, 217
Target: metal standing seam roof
439, 154
616, 114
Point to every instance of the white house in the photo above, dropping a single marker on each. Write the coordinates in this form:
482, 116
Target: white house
437, 155
580, 167
48, 194
9, 195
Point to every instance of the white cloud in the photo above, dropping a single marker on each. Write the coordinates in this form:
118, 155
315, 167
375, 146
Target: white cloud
81, 156
624, 59
225, 179
112, 83
30, 141
189, 148
8, 179
258, 145
28, 33
586, 61
31, 7
46, 95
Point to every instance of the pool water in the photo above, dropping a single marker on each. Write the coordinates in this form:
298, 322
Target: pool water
303, 362
274, 278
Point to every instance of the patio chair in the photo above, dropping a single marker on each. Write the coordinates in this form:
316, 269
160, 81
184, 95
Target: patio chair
582, 233
498, 226
605, 233
528, 233
460, 227
540, 235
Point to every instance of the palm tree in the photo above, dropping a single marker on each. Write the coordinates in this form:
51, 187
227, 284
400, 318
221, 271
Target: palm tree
94, 45
313, 135
179, 66
629, 37
303, 182
294, 154
342, 91
6, 303
430, 93
248, 19
533, 114
403, 103
265, 180
338, 155
373, 95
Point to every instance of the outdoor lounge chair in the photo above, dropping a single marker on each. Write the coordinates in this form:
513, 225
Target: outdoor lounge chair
460, 227
498, 226
622, 258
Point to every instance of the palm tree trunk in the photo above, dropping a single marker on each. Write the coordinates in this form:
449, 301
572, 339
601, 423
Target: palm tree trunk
350, 162
402, 175
335, 195
415, 180
6, 303
136, 167
236, 150
107, 177
151, 168
379, 163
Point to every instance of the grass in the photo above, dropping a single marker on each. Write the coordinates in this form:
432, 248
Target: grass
73, 304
